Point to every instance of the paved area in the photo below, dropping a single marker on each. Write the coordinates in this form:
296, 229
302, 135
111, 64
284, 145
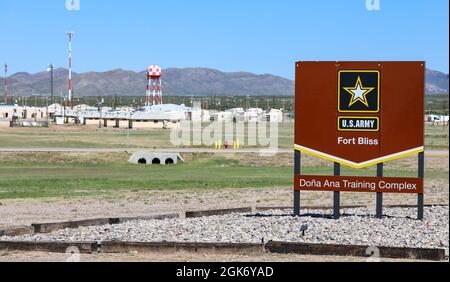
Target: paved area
132, 150
8, 256
431, 153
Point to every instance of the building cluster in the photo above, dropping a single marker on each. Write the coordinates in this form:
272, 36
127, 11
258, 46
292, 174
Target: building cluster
15, 115
249, 115
437, 119
155, 116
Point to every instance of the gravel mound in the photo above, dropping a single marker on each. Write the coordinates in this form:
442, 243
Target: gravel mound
356, 227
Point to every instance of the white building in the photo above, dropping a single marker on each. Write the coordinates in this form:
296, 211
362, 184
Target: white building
437, 118
276, 116
222, 116
206, 116
7, 111
253, 115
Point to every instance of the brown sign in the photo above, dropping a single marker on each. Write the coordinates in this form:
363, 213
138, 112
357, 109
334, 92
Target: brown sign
359, 184
360, 114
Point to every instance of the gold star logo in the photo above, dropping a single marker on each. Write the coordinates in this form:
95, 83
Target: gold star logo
359, 93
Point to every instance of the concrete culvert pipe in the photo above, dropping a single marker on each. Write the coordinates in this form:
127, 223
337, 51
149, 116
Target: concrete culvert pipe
155, 158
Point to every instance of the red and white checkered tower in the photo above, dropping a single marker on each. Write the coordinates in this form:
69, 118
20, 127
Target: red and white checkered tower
154, 85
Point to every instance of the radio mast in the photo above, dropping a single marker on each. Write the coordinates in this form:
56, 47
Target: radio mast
70, 35
5, 84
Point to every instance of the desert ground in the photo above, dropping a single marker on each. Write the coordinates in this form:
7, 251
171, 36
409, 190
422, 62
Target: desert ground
77, 186
6, 256
38, 187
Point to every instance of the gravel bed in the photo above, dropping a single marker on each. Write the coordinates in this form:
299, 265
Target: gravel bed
357, 227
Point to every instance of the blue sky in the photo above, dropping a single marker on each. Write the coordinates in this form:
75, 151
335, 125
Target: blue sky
231, 35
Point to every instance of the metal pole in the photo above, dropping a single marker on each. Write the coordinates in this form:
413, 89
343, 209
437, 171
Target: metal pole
379, 213
147, 96
420, 197
297, 171
51, 84
5, 84
70, 34
46, 107
337, 195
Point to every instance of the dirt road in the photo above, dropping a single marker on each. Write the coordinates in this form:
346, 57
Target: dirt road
431, 153
132, 150
6, 256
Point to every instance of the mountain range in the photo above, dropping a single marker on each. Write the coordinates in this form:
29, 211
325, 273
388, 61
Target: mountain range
176, 82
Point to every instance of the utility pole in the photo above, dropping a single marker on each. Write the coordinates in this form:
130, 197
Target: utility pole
46, 107
50, 69
99, 107
70, 35
444, 113
5, 84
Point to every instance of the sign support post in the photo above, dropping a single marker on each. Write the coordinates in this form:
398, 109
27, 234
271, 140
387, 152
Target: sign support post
379, 213
420, 197
337, 195
297, 171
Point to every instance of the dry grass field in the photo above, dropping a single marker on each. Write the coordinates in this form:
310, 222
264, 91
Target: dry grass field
436, 137
37, 187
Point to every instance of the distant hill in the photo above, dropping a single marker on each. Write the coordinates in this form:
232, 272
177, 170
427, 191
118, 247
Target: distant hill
437, 82
179, 82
